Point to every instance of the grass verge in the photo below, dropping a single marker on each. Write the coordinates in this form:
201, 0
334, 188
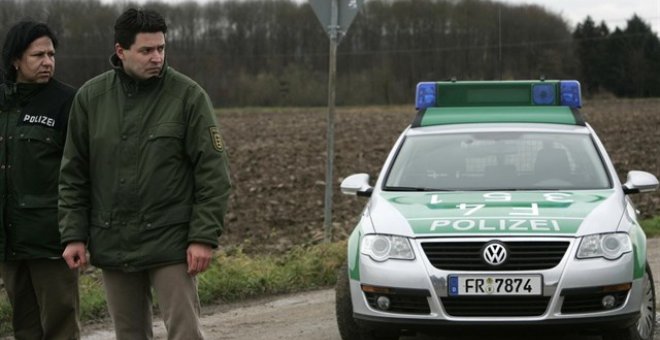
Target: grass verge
651, 226
233, 276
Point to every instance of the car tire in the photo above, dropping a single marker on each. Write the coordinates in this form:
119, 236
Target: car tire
645, 326
349, 329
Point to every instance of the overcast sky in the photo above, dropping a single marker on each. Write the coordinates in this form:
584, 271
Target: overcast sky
613, 12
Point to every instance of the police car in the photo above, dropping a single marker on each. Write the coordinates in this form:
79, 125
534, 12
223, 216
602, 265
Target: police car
497, 206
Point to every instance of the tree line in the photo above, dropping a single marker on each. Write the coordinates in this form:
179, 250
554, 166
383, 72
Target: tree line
275, 52
624, 62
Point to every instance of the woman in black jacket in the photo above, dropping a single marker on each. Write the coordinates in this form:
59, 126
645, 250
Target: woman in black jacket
34, 110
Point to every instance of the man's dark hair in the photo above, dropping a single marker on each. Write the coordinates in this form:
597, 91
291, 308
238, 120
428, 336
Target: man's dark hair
135, 21
18, 39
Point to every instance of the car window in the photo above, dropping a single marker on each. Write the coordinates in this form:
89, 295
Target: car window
497, 161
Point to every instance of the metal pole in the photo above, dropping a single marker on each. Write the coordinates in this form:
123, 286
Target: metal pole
332, 77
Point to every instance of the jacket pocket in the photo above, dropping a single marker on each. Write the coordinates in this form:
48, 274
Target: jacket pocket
163, 145
37, 134
174, 216
165, 163
166, 130
36, 162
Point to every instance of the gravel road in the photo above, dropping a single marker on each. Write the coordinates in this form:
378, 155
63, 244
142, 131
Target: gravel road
305, 316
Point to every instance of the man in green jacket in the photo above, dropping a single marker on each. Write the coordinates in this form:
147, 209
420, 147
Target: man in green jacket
34, 109
144, 182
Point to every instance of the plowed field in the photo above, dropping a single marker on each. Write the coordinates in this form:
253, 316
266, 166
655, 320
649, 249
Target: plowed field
278, 160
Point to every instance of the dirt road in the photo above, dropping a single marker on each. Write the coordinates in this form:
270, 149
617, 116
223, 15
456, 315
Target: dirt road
306, 316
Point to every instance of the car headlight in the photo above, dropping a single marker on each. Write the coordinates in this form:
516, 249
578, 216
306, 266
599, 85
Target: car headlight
384, 247
610, 246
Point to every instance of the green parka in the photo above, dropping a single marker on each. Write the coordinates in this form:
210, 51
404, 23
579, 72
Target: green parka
144, 171
33, 120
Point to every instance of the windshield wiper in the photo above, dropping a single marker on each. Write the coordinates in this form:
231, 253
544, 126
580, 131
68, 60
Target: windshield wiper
411, 189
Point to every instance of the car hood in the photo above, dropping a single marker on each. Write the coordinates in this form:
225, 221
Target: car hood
566, 213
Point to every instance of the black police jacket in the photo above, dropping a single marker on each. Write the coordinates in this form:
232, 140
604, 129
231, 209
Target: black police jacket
33, 122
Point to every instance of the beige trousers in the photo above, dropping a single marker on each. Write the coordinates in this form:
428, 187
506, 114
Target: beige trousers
130, 302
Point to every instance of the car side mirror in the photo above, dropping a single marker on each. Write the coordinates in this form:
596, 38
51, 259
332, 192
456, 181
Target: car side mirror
357, 184
640, 181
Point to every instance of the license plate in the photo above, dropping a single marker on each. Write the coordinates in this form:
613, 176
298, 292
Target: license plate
495, 285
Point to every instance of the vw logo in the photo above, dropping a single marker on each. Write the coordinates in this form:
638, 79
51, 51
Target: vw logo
494, 253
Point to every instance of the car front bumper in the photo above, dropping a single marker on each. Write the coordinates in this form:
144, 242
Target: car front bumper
420, 284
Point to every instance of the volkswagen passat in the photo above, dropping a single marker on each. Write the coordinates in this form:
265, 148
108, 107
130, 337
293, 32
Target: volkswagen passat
498, 206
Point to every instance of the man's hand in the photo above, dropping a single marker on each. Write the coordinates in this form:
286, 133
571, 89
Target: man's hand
199, 257
75, 255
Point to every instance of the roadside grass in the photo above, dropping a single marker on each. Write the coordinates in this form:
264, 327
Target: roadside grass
235, 276
651, 226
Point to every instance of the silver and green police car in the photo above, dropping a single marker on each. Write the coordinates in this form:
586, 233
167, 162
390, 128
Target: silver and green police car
497, 206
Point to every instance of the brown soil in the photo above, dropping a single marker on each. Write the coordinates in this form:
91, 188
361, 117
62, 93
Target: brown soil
278, 161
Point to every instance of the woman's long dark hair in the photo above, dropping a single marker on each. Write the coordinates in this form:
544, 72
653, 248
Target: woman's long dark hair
18, 39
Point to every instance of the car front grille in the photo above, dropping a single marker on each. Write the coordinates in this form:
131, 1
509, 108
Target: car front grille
522, 255
487, 306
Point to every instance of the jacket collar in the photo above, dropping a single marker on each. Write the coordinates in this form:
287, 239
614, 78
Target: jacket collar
130, 84
19, 93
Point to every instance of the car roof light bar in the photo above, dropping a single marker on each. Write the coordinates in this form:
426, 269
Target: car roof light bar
498, 93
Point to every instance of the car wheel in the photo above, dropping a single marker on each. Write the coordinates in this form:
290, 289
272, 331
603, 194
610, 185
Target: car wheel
348, 328
645, 326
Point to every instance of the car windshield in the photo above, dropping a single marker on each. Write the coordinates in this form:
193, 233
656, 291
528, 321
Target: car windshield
497, 161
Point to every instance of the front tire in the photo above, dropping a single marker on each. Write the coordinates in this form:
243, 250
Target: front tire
645, 326
348, 328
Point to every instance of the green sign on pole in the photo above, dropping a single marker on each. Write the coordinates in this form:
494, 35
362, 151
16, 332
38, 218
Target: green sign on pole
335, 17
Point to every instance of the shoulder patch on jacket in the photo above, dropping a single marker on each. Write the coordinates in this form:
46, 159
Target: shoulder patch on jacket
216, 138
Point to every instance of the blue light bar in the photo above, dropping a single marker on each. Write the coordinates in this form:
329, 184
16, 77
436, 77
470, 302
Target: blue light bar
425, 95
498, 93
570, 94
